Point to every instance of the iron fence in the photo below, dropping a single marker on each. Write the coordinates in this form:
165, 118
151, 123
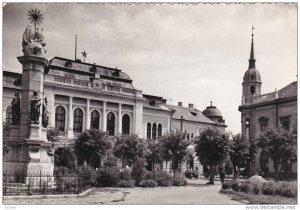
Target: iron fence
17, 183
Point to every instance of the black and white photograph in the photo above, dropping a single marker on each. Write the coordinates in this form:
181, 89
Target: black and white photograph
149, 104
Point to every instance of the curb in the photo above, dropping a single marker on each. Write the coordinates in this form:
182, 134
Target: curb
49, 196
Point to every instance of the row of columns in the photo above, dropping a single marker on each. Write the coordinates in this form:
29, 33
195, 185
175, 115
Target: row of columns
70, 133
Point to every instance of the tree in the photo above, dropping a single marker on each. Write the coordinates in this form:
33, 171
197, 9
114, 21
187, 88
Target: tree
174, 147
6, 133
280, 146
239, 150
52, 134
212, 149
250, 156
129, 148
91, 146
65, 157
154, 154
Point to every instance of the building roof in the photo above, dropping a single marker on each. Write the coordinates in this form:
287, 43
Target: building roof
212, 111
89, 69
288, 91
189, 114
252, 75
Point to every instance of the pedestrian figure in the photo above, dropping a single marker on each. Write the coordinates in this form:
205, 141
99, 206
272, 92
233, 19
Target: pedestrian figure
222, 174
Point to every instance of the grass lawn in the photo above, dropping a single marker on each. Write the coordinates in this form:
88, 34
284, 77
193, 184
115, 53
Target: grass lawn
260, 198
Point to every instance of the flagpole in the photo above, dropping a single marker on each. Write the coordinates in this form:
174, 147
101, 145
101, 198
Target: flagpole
75, 46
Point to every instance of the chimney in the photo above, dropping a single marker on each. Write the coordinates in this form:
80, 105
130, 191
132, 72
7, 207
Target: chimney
164, 101
180, 103
191, 106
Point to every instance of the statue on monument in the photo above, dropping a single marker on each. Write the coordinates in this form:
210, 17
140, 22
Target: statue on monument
35, 104
33, 41
45, 116
15, 106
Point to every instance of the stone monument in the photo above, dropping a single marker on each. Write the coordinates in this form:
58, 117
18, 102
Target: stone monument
27, 143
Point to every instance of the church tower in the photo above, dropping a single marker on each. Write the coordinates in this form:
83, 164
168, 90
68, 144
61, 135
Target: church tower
252, 80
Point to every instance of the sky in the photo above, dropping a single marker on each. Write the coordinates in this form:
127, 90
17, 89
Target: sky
193, 53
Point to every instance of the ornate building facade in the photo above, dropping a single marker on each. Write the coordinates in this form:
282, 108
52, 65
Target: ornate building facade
259, 111
80, 96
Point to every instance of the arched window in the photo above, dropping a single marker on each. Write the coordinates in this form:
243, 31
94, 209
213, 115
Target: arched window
148, 130
252, 89
8, 117
154, 131
159, 130
95, 117
110, 124
60, 118
125, 124
192, 135
78, 120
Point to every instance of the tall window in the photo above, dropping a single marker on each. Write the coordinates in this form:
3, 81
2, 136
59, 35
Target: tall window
8, 117
154, 131
285, 123
125, 124
110, 124
159, 130
78, 120
247, 128
192, 135
60, 116
252, 89
148, 130
95, 117
263, 122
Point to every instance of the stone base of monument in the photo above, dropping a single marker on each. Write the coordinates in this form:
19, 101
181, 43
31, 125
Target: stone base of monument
37, 132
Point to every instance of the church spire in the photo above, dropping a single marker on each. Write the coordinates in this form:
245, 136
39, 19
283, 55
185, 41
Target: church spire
252, 58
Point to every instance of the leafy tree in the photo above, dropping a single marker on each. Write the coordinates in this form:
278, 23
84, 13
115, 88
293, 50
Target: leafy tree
129, 148
280, 146
91, 146
65, 157
6, 133
174, 147
250, 156
52, 134
239, 149
154, 154
212, 149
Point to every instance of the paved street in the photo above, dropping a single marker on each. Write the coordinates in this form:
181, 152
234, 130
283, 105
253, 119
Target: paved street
195, 193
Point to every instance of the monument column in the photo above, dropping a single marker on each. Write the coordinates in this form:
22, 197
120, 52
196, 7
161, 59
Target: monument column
31, 148
87, 115
70, 134
120, 119
104, 118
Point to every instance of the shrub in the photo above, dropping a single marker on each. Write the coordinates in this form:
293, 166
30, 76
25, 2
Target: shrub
108, 177
125, 174
179, 181
235, 186
245, 187
288, 189
138, 170
110, 162
288, 192
268, 188
126, 183
226, 186
148, 183
61, 170
163, 178
255, 188
148, 175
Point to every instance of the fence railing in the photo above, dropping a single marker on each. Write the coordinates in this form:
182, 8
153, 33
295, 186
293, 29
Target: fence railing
15, 184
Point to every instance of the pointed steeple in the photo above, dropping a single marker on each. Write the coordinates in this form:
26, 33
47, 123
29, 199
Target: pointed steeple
252, 58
